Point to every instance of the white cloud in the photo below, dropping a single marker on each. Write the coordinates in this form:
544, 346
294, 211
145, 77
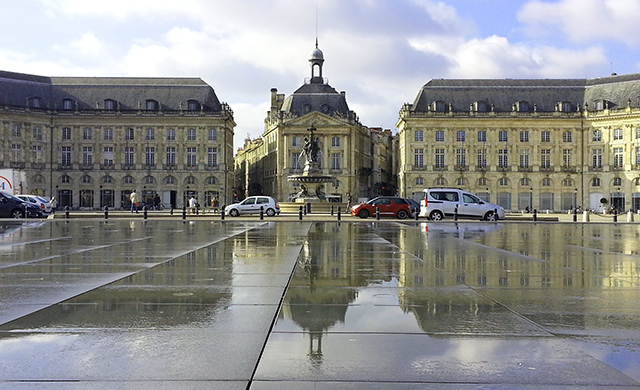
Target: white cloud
584, 21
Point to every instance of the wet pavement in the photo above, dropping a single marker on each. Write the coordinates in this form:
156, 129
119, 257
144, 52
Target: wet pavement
265, 305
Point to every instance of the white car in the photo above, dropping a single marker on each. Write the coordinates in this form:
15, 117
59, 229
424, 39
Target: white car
440, 202
252, 205
36, 201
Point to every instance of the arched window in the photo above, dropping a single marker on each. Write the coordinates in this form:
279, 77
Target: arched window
483, 181
107, 179
503, 181
595, 182
441, 181
67, 104
210, 180
128, 180
190, 180
546, 182
567, 183
86, 179
419, 181
169, 180
65, 179
152, 104
525, 181
110, 104
461, 181
617, 181
149, 180
38, 179
193, 105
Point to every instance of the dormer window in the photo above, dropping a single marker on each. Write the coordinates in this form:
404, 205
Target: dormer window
481, 106
67, 104
152, 105
193, 105
563, 106
34, 102
601, 104
522, 106
438, 106
110, 104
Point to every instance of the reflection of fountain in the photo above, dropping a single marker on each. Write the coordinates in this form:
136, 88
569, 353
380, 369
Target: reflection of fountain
311, 175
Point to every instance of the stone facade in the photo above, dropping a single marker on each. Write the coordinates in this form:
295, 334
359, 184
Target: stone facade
538, 144
91, 141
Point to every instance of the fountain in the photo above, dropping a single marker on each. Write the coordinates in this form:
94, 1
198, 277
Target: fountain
311, 174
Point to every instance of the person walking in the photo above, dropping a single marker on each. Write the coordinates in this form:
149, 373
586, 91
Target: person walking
192, 205
134, 201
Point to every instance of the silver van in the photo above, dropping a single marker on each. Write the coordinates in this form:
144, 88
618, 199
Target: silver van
447, 202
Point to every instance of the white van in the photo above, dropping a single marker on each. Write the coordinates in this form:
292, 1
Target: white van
440, 202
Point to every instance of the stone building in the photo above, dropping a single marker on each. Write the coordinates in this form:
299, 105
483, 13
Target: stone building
90, 141
358, 161
552, 144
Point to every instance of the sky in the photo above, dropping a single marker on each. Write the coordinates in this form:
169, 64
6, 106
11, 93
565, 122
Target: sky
380, 52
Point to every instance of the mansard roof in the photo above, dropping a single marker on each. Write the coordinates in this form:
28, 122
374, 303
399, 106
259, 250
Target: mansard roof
545, 94
318, 97
130, 93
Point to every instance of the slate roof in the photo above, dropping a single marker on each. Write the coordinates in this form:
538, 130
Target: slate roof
544, 93
129, 92
316, 96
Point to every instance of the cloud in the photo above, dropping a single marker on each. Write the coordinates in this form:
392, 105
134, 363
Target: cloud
583, 21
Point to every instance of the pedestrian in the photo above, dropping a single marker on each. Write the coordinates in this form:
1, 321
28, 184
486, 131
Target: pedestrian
156, 202
192, 205
134, 201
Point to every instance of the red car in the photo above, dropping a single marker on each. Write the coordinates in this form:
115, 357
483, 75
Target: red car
390, 206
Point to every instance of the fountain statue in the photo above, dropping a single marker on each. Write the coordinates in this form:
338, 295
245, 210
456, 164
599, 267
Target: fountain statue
311, 174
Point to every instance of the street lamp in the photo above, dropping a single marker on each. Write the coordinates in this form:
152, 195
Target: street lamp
575, 197
530, 198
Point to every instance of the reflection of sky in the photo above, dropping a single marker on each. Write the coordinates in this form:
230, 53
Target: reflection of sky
623, 356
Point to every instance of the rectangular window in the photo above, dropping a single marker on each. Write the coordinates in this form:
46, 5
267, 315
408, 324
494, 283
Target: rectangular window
295, 160
482, 158
191, 157
461, 158
108, 134
87, 133
566, 157
618, 157
16, 130
212, 157
439, 135
107, 155
128, 134
567, 136
171, 156
213, 135
524, 158
597, 136
37, 133
150, 134
545, 136
150, 156
637, 132
191, 134
460, 136
17, 152
66, 155
418, 159
440, 162
87, 155
295, 141
335, 142
171, 134
503, 136
503, 158
482, 136
596, 158
419, 136
618, 135
129, 156
37, 154
66, 133
545, 158
335, 160
524, 136
638, 156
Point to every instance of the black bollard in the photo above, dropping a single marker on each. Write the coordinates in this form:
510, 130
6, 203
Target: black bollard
171, 212
66, 212
378, 213
339, 212
308, 208
222, 212
184, 212
197, 209
304, 209
332, 210
106, 212
495, 214
261, 213
535, 215
575, 215
417, 216
455, 214
615, 215
300, 213
144, 211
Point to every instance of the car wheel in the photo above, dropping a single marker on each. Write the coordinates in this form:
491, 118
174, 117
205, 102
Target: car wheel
271, 212
363, 214
436, 215
17, 213
489, 216
402, 214
234, 212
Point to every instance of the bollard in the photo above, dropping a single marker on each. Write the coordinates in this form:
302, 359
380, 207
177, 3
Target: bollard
494, 217
615, 215
106, 212
171, 212
339, 212
300, 213
304, 209
332, 210
455, 214
66, 212
184, 212
222, 212
197, 209
535, 215
261, 213
575, 215
585, 216
144, 211
417, 214
378, 213
308, 208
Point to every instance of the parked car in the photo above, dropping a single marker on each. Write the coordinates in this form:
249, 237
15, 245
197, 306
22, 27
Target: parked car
44, 205
415, 206
252, 205
441, 202
13, 207
390, 206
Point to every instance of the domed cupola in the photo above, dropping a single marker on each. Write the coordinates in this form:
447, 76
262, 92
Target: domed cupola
316, 60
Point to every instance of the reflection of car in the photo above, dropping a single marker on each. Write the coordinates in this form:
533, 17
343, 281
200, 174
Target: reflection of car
390, 206
252, 205
36, 201
441, 202
13, 207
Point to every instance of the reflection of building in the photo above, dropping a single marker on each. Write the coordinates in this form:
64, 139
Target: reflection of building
550, 144
358, 157
91, 141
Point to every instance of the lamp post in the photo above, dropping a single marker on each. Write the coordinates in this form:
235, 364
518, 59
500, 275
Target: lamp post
530, 198
575, 198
